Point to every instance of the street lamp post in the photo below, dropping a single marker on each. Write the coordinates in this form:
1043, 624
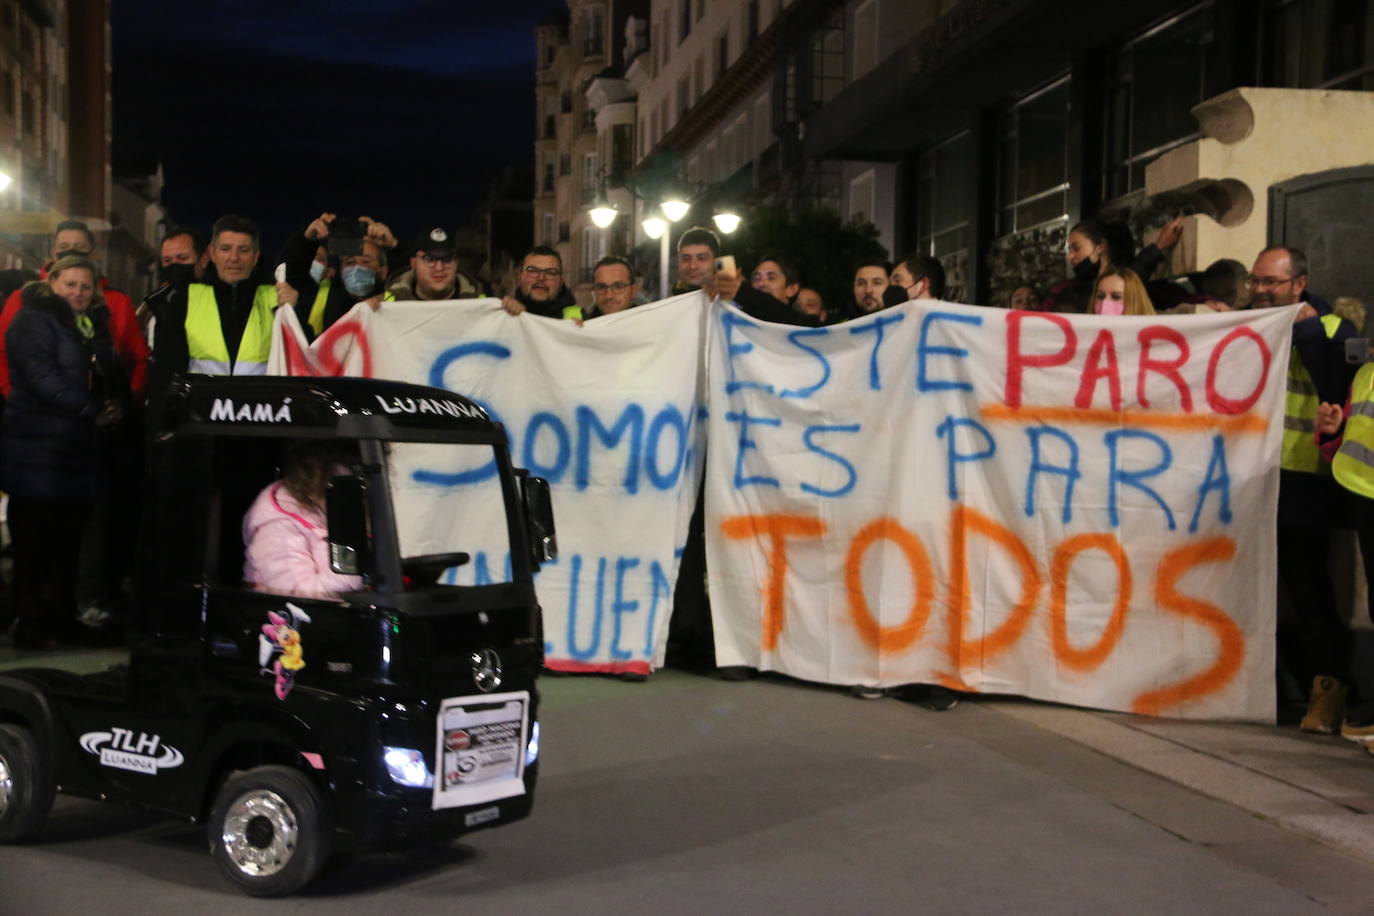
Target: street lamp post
655, 227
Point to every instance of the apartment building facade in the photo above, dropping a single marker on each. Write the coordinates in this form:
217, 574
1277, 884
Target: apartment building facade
979, 131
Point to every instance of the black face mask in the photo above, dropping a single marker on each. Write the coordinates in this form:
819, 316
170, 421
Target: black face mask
894, 295
1086, 269
176, 274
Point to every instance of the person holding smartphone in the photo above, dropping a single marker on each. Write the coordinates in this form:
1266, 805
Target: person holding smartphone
357, 250
700, 266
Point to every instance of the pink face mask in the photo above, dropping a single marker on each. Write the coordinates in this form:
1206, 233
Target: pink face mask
1111, 307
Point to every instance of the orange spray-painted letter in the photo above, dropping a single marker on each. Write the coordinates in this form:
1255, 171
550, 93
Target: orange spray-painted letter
777, 529
903, 635
962, 521
1069, 655
1230, 639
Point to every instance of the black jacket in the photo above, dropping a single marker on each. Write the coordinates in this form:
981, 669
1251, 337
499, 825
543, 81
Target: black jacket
762, 306
1316, 500
551, 309
49, 444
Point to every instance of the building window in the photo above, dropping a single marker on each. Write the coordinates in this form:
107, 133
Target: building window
827, 61
550, 227
565, 164
591, 253
683, 100
7, 88
1153, 84
742, 140
622, 148
548, 178
685, 21
699, 75
588, 178
751, 21
945, 173
763, 124
722, 54
861, 200
1033, 160
1319, 44
865, 43
593, 44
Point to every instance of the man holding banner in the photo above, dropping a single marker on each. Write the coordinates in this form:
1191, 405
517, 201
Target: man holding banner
1316, 648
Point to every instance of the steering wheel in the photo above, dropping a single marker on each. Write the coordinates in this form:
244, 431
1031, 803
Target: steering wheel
423, 571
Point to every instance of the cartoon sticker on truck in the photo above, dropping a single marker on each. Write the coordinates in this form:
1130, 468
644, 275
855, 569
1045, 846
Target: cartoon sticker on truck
280, 644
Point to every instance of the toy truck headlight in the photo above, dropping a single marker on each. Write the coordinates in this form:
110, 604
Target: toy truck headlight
406, 766
532, 749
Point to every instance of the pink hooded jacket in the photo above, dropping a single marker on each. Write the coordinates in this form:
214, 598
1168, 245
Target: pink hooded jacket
287, 548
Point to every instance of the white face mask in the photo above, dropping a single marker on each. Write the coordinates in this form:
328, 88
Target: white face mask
316, 271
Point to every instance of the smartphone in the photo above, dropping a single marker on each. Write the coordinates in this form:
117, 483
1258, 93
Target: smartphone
345, 237
726, 264
1357, 350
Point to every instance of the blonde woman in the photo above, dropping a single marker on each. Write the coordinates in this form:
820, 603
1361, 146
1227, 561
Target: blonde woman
1118, 291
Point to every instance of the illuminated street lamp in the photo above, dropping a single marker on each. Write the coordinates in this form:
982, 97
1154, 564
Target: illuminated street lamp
603, 213
674, 207
654, 227
726, 221
5, 181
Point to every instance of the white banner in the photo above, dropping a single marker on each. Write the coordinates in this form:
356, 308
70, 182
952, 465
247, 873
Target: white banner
1074, 508
607, 412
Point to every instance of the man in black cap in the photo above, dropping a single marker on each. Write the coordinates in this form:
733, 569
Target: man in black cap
434, 273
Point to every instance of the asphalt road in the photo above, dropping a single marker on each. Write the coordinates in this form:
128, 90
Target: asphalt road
690, 795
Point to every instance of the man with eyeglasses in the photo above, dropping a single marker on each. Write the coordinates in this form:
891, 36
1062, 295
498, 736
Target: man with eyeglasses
434, 274
540, 287
614, 286
1317, 648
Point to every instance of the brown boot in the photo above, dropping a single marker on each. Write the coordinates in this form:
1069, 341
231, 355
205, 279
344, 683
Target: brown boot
1326, 708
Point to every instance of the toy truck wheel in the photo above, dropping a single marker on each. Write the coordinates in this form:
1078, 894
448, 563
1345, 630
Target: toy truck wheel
270, 831
26, 790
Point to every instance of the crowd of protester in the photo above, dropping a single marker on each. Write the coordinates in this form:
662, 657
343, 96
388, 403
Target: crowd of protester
79, 362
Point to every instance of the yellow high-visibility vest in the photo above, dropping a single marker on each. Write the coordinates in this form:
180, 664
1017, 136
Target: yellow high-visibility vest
1300, 451
205, 337
1354, 462
316, 319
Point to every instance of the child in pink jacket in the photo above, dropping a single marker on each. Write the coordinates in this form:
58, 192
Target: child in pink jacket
285, 534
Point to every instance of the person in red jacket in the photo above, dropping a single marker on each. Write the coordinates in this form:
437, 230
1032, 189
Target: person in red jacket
73, 237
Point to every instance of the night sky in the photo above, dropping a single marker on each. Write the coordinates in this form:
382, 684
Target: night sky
282, 109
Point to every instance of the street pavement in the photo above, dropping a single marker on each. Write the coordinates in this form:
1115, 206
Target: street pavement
687, 794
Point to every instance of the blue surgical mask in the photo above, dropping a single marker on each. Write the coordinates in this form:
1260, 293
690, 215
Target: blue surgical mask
317, 271
359, 280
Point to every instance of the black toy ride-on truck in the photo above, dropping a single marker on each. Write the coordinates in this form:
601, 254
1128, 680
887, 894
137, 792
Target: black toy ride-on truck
403, 712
